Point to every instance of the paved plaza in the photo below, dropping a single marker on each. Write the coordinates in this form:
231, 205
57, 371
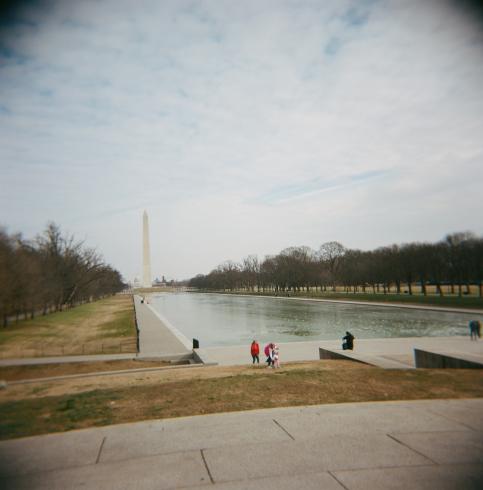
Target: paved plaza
389, 353
383, 445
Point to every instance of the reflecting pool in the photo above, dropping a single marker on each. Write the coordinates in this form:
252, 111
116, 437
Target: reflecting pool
219, 319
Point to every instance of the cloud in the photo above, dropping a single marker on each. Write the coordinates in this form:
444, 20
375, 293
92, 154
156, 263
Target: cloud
241, 127
315, 186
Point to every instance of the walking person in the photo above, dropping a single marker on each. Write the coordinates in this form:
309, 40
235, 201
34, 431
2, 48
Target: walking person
473, 329
268, 352
276, 356
255, 350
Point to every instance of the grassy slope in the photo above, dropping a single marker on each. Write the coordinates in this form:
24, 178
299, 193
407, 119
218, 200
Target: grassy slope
311, 383
36, 371
108, 321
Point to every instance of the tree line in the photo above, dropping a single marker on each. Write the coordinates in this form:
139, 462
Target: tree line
49, 273
455, 262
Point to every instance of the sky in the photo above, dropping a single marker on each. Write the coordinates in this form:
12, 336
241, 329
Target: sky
240, 127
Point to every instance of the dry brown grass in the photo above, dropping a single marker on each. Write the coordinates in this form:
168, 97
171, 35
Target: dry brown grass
344, 378
16, 373
56, 406
100, 327
148, 379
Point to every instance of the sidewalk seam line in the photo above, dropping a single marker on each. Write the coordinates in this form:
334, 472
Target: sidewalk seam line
451, 420
100, 449
391, 467
285, 430
336, 479
206, 466
412, 449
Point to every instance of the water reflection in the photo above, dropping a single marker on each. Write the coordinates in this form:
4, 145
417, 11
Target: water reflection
218, 319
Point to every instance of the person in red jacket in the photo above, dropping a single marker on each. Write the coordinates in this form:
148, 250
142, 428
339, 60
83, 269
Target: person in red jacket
255, 350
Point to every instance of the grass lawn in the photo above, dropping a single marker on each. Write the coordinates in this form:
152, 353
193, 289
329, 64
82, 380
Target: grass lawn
41, 409
93, 328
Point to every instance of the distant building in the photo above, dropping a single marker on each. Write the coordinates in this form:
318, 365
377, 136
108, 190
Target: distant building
160, 283
136, 283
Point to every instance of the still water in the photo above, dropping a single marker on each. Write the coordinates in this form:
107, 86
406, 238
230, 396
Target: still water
218, 319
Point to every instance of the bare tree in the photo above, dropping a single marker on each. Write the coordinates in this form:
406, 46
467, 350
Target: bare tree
331, 254
52, 271
458, 259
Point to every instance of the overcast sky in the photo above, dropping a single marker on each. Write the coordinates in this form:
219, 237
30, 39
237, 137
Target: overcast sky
241, 127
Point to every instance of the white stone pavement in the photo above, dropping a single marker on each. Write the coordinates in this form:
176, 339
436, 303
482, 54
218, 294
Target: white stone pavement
386, 445
387, 353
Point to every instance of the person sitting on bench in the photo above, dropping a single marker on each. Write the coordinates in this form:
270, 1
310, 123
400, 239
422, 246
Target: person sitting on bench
348, 341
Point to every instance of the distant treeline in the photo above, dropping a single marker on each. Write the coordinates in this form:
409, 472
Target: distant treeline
49, 273
456, 262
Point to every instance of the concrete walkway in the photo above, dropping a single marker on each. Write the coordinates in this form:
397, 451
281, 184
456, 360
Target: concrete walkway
398, 353
97, 374
386, 353
387, 445
157, 338
28, 361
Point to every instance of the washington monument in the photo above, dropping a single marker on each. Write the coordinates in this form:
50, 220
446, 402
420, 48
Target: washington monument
146, 255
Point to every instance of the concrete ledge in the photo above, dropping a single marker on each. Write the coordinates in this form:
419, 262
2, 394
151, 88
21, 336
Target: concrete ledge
371, 359
102, 373
427, 359
171, 357
330, 354
202, 357
28, 361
